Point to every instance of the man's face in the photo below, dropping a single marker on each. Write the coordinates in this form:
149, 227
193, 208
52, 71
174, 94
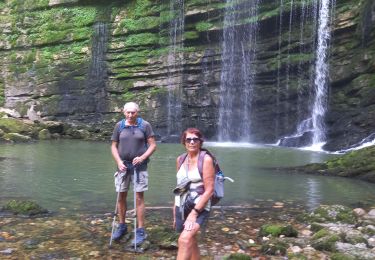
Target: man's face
131, 114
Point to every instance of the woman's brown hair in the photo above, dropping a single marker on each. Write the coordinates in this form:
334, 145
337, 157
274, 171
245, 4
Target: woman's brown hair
192, 130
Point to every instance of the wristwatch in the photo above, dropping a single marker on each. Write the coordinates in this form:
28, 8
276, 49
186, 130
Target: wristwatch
196, 210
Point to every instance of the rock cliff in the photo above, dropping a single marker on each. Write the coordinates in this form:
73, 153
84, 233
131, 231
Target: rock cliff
78, 61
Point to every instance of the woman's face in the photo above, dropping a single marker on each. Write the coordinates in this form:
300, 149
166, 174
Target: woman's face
192, 142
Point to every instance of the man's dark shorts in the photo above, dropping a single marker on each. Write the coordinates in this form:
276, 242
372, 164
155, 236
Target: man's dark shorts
201, 219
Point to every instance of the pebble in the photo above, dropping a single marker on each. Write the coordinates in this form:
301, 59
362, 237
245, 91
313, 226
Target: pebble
359, 212
7, 251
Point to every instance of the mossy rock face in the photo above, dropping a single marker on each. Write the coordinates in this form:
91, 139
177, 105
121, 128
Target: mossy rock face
340, 256
25, 207
17, 138
277, 230
326, 243
332, 213
11, 125
163, 237
44, 134
237, 256
274, 248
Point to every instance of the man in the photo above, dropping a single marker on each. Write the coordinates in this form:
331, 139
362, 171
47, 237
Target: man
133, 142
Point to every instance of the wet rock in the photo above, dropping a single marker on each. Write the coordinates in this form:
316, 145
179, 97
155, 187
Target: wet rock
26, 207
31, 244
274, 247
17, 138
7, 251
163, 237
359, 212
44, 134
237, 256
277, 230
330, 213
359, 251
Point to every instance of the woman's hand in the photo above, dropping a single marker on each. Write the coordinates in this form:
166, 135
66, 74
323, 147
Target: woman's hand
190, 221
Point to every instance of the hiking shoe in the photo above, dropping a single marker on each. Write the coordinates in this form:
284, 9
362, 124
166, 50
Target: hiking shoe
120, 231
141, 236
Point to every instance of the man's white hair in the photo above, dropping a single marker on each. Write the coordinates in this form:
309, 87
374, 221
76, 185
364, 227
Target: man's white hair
130, 105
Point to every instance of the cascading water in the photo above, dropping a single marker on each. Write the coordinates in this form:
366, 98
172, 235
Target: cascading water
321, 75
311, 130
175, 61
237, 74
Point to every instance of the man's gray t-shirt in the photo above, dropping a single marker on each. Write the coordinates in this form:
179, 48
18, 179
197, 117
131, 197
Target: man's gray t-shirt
132, 140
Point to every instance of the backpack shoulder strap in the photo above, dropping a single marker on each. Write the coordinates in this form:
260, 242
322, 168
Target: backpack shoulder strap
181, 159
122, 125
201, 155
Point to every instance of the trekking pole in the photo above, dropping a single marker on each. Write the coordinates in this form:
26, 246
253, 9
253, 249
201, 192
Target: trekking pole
115, 214
135, 210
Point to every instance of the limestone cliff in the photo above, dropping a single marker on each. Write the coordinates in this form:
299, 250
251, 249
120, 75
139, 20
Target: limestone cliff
78, 61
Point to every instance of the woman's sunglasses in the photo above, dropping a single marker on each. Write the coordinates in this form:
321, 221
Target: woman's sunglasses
194, 139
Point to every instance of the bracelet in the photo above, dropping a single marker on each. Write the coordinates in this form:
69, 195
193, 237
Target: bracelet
196, 210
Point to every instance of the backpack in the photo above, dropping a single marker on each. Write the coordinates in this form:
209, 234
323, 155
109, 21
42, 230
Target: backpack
139, 125
219, 175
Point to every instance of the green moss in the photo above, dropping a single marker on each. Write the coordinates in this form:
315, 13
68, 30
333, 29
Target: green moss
26, 207
14, 126
190, 35
326, 243
341, 256
16, 137
2, 93
141, 24
321, 233
17, 5
203, 26
141, 39
237, 256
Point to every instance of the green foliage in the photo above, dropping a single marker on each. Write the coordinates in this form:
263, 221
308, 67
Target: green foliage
141, 24
2, 93
190, 35
21, 5
203, 26
141, 39
143, 8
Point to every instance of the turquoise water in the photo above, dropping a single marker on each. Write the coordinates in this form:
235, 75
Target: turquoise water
77, 176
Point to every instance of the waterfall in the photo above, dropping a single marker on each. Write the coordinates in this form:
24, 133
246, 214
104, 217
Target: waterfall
175, 67
310, 130
321, 75
94, 99
237, 73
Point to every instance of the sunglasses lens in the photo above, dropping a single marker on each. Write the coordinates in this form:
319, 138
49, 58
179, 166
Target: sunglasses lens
188, 140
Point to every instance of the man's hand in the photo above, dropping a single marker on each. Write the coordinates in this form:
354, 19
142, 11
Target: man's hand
121, 166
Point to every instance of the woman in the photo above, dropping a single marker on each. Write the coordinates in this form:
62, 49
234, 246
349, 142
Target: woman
186, 220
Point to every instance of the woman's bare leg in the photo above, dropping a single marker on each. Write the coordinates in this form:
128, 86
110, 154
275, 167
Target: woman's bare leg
188, 244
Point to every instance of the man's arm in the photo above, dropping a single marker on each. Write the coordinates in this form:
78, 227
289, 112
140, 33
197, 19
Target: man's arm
120, 164
150, 150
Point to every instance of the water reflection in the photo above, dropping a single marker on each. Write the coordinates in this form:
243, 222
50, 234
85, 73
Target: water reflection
78, 176
313, 194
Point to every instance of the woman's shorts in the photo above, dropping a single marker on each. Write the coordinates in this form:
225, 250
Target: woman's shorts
201, 219
123, 179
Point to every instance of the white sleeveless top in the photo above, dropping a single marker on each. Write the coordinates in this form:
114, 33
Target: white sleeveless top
196, 179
